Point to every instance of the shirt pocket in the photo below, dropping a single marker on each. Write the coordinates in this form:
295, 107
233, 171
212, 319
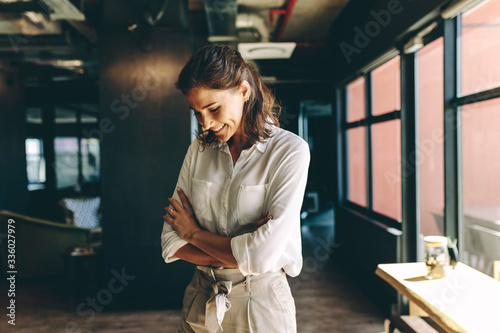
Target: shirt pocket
251, 200
201, 191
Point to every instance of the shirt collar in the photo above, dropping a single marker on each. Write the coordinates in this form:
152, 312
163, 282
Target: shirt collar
217, 145
261, 146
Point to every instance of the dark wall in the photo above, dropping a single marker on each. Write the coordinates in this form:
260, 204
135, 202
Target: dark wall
13, 178
61, 93
145, 133
362, 245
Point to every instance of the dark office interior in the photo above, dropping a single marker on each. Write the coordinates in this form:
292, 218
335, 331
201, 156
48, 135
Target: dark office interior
399, 101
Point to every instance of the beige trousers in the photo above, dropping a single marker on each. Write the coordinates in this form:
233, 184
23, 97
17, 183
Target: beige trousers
223, 300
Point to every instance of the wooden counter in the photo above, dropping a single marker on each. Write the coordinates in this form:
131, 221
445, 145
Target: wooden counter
466, 300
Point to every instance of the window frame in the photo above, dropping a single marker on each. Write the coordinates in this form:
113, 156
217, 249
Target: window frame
409, 227
46, 131
454, 101
367, 123
450, 30
411, 245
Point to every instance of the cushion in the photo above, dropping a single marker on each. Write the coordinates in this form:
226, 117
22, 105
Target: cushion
82, 212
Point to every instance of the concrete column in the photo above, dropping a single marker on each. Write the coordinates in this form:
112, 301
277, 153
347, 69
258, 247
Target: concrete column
13, 177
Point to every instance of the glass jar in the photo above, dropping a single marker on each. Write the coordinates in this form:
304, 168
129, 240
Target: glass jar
436, 256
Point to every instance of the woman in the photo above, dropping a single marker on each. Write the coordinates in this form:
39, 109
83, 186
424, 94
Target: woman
235, 213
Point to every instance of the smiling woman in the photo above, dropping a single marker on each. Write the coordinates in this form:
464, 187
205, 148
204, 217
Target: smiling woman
221, 118
219, 76
236, 210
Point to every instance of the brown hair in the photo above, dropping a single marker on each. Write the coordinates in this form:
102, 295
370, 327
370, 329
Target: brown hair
217, 66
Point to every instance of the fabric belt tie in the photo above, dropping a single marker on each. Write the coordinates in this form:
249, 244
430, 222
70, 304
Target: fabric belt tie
217, 305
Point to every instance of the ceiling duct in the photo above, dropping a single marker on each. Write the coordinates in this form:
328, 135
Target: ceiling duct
221, 17
225, 24
252, 21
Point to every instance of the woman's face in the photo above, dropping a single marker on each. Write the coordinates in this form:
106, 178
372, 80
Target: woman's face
219, 111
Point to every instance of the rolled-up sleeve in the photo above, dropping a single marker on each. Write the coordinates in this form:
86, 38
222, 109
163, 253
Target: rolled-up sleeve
170, 240
266, 249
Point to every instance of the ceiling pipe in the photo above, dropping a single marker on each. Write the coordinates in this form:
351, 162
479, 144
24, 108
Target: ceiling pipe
273, 12
284, 21
221, 18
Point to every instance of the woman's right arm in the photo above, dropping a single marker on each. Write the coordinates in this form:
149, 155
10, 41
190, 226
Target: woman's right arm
196, 256
174, 247
171, 243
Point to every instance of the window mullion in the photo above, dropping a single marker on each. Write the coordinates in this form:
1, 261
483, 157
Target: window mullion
452, 132
409, 159
368, 140
79, 140
48, 137
341, 144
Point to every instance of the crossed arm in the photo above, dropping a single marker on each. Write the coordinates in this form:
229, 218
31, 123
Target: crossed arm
203, 248
194, 255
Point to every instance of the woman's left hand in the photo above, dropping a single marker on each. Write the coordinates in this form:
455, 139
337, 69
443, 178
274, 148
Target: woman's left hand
182, 219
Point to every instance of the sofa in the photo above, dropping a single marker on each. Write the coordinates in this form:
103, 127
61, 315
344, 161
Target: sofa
39, 245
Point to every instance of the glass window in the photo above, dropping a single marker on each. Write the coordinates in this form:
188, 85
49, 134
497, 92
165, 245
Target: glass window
481, 184
66, 148
66, 161
385, 141
431, 137
63, 116
91, 159
90, 147
35, 162
34, 116
66, 144
386, 91
386, 168
480, 48
357, 165
356, 100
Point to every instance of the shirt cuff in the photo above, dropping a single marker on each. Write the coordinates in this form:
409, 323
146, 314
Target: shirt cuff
168, 254
240, 253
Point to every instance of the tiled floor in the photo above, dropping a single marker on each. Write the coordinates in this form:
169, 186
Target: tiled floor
326, 300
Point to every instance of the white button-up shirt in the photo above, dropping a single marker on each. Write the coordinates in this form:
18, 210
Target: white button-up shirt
268, 177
